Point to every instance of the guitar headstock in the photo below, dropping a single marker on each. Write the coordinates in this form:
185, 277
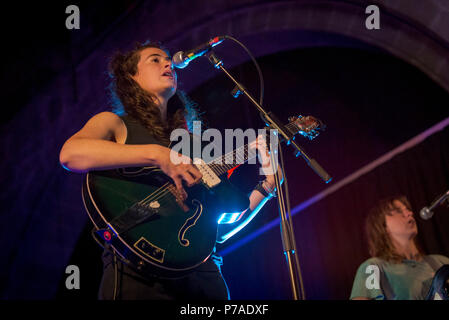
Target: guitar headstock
308, 126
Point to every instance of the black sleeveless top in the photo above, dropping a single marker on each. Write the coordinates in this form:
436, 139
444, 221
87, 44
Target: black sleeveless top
137, 133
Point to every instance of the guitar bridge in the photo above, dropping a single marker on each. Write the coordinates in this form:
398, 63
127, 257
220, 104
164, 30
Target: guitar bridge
209, 179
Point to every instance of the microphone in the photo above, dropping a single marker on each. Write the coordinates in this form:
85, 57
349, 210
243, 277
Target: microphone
426, 213
181, 59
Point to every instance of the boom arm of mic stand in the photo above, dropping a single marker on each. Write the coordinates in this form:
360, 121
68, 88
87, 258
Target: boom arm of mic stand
272, 121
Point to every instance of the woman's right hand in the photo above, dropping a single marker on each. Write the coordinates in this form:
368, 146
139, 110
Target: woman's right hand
180, 170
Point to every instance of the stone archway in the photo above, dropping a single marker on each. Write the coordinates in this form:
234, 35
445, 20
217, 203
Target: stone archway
408, 34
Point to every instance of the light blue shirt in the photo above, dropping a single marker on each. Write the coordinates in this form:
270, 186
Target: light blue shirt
409, 280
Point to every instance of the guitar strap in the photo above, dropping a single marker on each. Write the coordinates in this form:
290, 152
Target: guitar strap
434, 264
439, 280
385, 285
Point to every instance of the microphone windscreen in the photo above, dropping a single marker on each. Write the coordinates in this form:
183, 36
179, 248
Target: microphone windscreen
179, 61
425, 213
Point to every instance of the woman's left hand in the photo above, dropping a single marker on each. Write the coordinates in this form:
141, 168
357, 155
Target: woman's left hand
265, 159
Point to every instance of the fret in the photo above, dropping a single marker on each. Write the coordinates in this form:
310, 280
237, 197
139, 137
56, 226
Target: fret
228, 161
241, 155
292, 127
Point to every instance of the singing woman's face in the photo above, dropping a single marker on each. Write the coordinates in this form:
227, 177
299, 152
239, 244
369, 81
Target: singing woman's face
400, 221
155, 73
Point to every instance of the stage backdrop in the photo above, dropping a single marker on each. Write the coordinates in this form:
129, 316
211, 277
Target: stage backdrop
329, 234
371, 103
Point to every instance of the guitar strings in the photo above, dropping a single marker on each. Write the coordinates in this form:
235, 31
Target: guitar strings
236, 154
160, 189
218, 168
165, 189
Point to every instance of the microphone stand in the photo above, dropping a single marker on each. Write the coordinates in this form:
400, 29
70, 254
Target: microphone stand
288, 240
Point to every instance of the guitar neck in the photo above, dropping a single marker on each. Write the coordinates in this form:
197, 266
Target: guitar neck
228, 161
223, 164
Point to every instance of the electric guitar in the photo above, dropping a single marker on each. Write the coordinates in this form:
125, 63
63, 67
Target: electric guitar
139, 212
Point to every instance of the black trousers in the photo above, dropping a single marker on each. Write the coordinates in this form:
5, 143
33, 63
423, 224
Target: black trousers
121, 282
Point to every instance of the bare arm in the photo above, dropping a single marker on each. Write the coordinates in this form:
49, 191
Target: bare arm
86, 154
94, 148
257, 200
226, 231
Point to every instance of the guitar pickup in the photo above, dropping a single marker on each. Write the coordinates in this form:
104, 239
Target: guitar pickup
209, 179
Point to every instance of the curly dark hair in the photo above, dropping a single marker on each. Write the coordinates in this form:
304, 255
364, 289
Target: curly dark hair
129, 98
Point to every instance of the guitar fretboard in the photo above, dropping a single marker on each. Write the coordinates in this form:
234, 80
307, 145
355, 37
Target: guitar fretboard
240, 155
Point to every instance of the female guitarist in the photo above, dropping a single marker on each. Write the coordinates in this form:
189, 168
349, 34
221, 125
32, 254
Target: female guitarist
397, 269
144, 84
